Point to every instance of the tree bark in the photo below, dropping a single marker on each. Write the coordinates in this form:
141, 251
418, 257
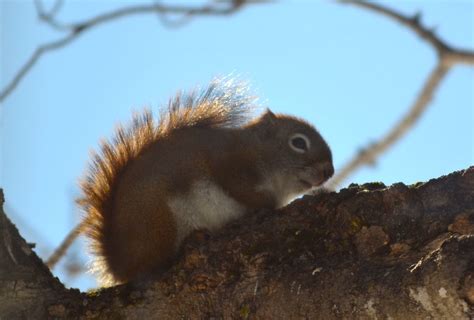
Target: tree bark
366, 252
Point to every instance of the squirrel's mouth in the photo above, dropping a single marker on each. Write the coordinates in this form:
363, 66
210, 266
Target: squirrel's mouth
317, 176
311, 183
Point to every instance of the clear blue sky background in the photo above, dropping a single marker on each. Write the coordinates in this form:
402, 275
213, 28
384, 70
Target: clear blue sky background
350, 72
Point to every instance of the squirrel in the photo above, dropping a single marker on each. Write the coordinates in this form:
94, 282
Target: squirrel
202, 164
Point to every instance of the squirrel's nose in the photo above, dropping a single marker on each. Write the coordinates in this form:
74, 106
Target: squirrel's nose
328, 170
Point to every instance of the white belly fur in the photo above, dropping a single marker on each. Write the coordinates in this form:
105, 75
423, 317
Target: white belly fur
205, 206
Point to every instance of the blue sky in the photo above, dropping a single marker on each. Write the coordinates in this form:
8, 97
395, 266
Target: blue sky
348, 71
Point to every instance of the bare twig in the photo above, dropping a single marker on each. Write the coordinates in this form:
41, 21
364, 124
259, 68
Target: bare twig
65, 244
32, 61
75, 29
368, 155
49, 17
447, 57
414, 23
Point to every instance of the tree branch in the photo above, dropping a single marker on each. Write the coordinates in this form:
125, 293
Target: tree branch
76, 29
447, 57
367, 252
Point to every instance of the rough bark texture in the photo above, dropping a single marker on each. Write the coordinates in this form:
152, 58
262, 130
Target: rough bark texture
367, 252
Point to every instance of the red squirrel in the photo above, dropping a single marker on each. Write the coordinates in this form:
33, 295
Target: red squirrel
201, 165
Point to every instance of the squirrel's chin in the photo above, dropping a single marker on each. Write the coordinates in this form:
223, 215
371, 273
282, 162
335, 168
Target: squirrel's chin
312, 183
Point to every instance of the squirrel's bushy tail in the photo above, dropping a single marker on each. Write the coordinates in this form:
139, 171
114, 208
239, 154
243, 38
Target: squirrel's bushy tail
224, 103
100, 181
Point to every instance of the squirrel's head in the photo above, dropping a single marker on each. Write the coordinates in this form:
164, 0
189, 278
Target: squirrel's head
297, 155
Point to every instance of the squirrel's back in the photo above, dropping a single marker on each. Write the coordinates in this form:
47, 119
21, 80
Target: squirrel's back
199, 166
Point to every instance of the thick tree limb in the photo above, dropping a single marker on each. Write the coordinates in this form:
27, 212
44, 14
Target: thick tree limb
448, 56
366, 252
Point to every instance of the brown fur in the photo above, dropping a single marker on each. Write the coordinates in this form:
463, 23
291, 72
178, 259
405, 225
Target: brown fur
113, 210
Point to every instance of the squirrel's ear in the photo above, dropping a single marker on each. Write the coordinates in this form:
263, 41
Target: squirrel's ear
269, 117
267, 124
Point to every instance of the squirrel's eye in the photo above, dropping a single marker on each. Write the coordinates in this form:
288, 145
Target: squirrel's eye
299, 143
